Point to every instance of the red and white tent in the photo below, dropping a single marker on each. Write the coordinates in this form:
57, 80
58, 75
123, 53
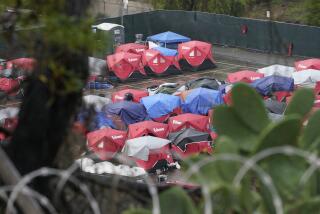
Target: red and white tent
137, 95
308, 64
182, 121
106, 142
124, 64
195, 52
244, 76
157, 62
27, 64
140, 129
132, 48
9, 85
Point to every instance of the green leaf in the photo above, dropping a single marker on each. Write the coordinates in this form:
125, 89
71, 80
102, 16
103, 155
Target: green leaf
311, 134
285, 132
176, 200
301, 103
308, 206
226, 145
249, 199
220, 172
229, 124
249, 107
137, 211
225, 199
286, 173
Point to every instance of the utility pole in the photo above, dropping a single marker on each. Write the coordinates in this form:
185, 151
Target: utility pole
124, 5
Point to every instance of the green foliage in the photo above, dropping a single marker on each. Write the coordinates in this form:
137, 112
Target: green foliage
304, 96
305, 207
296, 11
310, 138
58, 37
137, 211
247, 116
175, 200
230, 7
313, 12
245, 132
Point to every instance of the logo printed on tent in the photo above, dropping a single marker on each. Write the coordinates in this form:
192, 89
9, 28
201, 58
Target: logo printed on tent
176, 122
150, 54
162, 60
140, 49
100, 146
155, 61
132, 59
254, 78
158, 129
115, 137
118, 97
185, 48
302, 66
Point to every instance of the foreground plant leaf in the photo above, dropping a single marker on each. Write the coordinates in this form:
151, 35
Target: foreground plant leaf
301, 103
311, 134
285, 132
308, 206
286, 173
249, 107
137, 211
176, 200
229, 124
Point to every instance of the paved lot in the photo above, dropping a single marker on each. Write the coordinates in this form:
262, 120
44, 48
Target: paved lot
227, 60
220, 72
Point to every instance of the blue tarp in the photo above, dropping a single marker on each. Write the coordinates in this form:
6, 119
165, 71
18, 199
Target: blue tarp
129, 112
265, 86
166, 51
168, 37
160, 104
99, 120
102, 121
201, 100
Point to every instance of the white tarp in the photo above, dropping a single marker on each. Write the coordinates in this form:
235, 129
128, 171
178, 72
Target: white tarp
152, 45
141, 146
106, 26
105, 167
97, 101
279, 70
9, 112
97, 66
155, 90
307, 78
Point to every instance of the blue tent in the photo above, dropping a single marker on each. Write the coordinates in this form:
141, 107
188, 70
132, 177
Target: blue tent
201, 100
160, 104
166, 51
265, 86
129, 112
168, 37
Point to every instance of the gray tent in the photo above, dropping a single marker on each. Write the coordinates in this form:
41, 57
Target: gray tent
204, 82
186, 136
140, 147
274, 106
